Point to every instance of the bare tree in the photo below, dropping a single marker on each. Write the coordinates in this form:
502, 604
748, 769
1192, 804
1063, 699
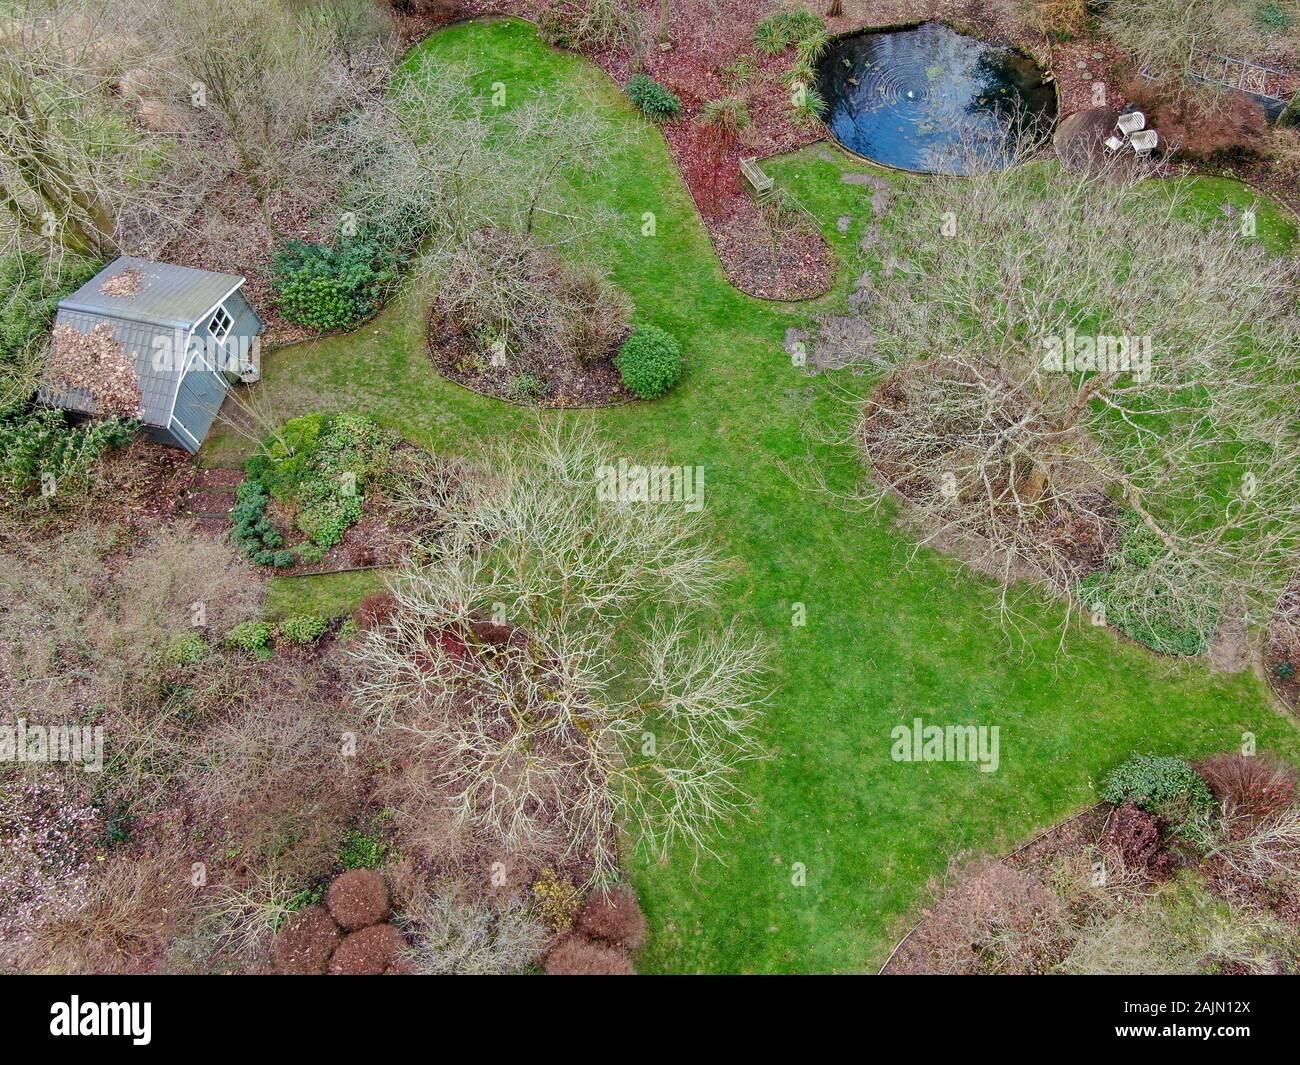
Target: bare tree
1064, 347
433, 176
69, 156
551, 670
263, 79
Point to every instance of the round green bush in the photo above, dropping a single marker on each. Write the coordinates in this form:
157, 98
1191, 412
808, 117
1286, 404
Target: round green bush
328, 288
652, 99
1159, 784
650, 361
254, 636
187, 649
303, 628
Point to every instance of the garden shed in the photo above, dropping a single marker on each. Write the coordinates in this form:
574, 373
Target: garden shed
150, 340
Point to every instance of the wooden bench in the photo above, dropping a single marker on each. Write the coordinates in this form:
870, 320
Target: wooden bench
759, 183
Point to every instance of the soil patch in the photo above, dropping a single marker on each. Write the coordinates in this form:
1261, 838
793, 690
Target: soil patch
563, 382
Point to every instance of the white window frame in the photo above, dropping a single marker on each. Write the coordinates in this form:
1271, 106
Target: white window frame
220, 309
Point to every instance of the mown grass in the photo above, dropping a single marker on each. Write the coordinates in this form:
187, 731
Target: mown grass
885, 640
327, 595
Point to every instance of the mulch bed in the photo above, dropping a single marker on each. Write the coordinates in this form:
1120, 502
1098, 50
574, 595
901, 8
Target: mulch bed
144, 484
569, 383
1282, 648
803, 267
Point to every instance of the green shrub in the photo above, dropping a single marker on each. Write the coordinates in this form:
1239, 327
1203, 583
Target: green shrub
652, 99
528, 387
325, 288
1273, 17
778, 32
737, 74
283, 458
187, 649
361, 851
310, 553
1136, 602
302, 629
41, 444
1284, 670
812, 45
319, 465
810, 111
729, 113
252, 636
650, 362
1290, 116
251, 529
30, 289
1159, 784
347, 630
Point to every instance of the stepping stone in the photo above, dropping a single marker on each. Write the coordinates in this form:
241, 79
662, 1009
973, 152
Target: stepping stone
843, 222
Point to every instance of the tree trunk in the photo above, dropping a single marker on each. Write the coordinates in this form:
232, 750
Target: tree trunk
665, 37
1035, 484
836, 9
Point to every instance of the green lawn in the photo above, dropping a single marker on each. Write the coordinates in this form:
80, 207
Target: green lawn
884, 640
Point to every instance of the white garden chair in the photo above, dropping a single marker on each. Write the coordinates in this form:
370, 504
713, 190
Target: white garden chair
1144, 142
1130, 123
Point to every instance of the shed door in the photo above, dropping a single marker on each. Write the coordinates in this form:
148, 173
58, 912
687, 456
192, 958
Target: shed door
200, 395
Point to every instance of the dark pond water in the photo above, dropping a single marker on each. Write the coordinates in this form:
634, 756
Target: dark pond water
930, 99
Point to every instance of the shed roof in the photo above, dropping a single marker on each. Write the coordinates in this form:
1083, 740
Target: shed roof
172, 296
157, 386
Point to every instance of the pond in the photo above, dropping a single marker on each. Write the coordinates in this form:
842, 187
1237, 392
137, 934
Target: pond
932, 100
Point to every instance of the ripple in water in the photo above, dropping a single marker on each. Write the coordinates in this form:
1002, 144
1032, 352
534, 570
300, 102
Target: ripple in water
932, 100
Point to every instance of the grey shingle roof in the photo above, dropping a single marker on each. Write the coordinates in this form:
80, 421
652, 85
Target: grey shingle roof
157, 387
174, 296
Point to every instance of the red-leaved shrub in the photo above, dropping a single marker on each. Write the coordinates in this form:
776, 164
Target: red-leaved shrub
579, 956
306, 942
1251, 788
1134, 834
370, 952
358, 898
615, 917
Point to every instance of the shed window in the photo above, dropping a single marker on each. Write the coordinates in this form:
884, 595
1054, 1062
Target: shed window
220, 323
